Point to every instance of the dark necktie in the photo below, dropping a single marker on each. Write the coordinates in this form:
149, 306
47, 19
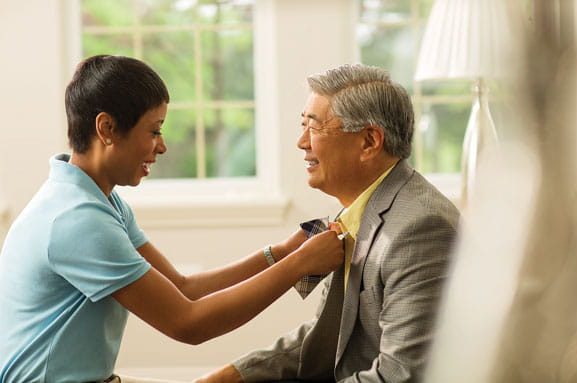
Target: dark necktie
311, 228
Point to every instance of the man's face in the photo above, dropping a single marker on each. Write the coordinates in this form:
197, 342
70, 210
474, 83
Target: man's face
332, 156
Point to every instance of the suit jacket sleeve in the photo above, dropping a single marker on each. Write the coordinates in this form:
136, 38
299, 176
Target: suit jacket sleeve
280, 361
413, 275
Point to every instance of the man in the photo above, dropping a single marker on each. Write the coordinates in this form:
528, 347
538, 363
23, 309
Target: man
375, 320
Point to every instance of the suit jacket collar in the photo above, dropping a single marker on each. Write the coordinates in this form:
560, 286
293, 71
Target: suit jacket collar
386, 192
373, 217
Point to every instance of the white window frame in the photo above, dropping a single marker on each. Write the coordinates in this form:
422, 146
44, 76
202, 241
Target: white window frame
188, 202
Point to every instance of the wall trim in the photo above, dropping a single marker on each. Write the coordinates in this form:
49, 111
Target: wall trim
182, 214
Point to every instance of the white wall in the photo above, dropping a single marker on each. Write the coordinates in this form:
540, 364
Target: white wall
304, 36
31, 82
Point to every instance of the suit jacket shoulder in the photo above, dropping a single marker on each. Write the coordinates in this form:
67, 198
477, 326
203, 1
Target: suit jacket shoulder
408, 193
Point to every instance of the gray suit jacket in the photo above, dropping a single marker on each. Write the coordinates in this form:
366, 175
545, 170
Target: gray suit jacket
380, 329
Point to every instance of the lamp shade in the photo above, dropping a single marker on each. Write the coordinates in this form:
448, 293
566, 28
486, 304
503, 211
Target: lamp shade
468, 39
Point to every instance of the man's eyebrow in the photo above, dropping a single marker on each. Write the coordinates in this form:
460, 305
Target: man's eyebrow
312, 116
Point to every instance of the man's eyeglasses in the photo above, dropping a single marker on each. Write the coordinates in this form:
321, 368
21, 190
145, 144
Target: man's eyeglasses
323, 129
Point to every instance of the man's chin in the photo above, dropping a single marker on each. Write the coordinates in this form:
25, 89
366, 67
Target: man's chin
315, 184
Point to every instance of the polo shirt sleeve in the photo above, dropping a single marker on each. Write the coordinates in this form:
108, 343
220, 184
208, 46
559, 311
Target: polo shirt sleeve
94, 249
136, 235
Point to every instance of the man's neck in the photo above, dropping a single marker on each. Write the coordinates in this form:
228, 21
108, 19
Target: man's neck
366, 179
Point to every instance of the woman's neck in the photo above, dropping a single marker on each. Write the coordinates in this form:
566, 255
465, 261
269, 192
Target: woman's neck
91, 164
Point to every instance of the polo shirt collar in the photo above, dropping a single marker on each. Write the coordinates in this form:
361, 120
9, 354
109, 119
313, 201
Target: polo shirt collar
61, 170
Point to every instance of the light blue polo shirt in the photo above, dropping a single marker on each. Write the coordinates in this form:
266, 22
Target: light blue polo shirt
69, 249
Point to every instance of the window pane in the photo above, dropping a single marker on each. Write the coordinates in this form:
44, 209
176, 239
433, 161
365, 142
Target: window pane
453, 87
225, 12
167, 12
113, 44
228, 65
391, 48
442, 129
107, 13
178, 132
385, 10
230, 142
189, 12
171, 54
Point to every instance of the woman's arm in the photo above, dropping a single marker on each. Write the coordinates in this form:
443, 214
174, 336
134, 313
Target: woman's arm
200, 284
156, 300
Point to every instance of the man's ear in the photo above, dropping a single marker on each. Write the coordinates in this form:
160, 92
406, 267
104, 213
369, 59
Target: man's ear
373, 141
104, 126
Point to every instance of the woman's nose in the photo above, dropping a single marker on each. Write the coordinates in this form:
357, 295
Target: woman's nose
161, 146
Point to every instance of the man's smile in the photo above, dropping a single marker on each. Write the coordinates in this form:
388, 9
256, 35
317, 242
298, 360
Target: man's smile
311, 163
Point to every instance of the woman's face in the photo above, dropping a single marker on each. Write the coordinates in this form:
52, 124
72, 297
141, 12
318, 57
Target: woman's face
135, 152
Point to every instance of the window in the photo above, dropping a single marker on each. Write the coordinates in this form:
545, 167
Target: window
389, 34
203, 50
218, 168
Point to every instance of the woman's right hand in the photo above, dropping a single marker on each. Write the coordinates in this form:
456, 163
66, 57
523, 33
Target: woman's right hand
322, 253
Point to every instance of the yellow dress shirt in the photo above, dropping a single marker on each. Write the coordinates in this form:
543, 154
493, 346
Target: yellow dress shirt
350, 220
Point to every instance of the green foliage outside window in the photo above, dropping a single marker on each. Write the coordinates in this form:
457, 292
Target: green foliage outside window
203, 50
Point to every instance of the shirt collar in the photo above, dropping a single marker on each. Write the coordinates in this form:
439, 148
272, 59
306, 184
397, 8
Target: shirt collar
61, 170
351, 216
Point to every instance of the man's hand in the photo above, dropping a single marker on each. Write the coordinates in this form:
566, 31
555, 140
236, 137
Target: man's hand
226, 374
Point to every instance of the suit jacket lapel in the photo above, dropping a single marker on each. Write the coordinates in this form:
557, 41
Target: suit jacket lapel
373, 218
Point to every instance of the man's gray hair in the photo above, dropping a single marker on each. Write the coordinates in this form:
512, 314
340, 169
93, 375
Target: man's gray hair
361, 96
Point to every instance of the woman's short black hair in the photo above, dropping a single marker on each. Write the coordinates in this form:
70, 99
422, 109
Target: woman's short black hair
123, 87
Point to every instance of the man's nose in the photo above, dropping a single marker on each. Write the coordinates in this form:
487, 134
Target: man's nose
303, 142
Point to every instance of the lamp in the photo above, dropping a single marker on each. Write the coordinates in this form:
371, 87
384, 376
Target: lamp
464, 39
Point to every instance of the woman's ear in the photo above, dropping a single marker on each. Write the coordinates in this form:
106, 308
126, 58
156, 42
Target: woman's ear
373, 141
104, 126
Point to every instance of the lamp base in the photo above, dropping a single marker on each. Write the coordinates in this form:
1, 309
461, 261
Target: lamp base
479, 135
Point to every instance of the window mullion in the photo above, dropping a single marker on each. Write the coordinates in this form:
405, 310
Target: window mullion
137, 32
417, 96
200, 128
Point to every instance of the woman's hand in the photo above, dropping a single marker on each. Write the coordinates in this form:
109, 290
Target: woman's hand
334, 226
322, 253
295, 240
290, 244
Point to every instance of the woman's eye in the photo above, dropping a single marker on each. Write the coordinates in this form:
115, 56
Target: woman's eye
157, 133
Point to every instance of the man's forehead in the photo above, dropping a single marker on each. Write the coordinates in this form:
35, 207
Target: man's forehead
316, 108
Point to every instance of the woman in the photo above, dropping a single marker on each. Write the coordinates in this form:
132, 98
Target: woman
75, 262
